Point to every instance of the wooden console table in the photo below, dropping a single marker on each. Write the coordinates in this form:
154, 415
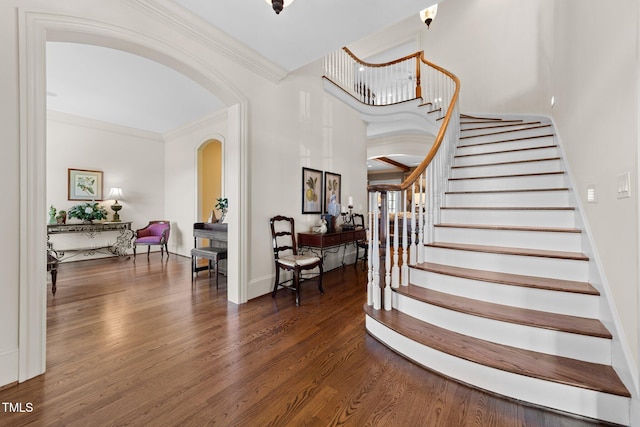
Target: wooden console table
123, 241
324, 243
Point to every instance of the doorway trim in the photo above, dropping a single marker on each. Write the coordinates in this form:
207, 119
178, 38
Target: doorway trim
35, 29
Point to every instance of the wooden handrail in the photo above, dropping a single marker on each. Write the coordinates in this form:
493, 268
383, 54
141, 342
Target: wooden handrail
383, 64
417, 172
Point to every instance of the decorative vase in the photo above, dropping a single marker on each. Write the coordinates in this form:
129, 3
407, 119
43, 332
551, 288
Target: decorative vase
52, 218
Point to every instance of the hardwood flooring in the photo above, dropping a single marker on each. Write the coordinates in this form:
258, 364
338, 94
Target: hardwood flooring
134, 344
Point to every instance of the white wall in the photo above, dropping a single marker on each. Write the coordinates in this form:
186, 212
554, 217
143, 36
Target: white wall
129, 158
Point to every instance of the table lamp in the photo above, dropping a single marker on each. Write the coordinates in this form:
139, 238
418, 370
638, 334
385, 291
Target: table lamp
115, 194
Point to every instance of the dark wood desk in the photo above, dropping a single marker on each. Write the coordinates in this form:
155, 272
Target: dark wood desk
215, 251
330, 242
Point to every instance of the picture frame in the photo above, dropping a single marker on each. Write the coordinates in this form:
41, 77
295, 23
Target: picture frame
84, 184
332, 187
311, 191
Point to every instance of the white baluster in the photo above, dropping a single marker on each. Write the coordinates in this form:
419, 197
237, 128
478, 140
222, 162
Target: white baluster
375, 254
420, 257
395, 270
405, 245
413, 252
387, 264
370, 223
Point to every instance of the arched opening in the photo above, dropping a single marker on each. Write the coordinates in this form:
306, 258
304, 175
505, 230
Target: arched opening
36, 30
210, 178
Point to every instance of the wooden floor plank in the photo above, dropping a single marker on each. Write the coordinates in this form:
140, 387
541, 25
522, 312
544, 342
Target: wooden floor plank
137, 345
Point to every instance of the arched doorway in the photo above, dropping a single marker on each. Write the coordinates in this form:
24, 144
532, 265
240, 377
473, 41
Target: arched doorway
210, 178
35, 30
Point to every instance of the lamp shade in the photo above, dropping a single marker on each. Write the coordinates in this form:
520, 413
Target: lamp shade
429, 14
278, 5
115, 194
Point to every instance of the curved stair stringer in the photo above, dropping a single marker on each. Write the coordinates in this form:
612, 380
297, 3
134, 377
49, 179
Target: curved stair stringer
476, 164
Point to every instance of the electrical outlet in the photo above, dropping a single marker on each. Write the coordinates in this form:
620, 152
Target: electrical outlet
624, 186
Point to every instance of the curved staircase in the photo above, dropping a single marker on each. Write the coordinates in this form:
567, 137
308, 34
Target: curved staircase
503, 301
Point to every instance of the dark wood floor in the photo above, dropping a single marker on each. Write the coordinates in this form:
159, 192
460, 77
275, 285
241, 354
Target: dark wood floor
133, 344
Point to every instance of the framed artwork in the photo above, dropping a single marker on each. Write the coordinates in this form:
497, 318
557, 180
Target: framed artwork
84, 184
311, 191
332, 194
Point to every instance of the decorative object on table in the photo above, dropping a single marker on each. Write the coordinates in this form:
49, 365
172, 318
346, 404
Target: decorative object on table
347, 217
212, 217
115, 194
311, 191
61, 218
88, 212
223, 206
330, 220
332, 196
322, 228
84, 184
52, 215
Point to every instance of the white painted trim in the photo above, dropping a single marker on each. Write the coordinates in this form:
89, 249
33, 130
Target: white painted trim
174, 16
9, 366
196, 124
34, 29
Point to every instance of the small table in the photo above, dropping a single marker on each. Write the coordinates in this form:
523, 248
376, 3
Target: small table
119, 248
325, 243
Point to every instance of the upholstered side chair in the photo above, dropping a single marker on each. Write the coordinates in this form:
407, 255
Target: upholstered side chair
155, 233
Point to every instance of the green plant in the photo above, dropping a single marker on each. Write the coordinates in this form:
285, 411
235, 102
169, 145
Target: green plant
87, 211
222, 204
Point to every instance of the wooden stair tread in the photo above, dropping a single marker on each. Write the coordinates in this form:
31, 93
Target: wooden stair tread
507, 163
502, 125
519, 175
535, 282
515, 150
512, 190
511, 228
503, 313
571, 372
523, 138
510, 251
506, 131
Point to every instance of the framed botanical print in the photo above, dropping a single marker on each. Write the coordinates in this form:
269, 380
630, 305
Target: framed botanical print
332, 195
311, 191
84, 184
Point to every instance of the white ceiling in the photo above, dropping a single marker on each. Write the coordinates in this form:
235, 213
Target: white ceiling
117, 87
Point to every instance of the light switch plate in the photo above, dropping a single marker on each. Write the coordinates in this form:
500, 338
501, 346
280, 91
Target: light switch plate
624, 186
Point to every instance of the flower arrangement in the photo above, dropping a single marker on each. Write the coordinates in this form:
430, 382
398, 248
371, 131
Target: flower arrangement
87, 211
222, 205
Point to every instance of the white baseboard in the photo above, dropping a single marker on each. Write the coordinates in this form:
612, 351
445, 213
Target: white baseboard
9, 367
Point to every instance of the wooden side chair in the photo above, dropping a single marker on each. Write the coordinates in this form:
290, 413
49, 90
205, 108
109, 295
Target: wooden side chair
285, 254
358, 221
155, 233
52, 266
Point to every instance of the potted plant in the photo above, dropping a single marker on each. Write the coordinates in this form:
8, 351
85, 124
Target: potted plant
222, 205
88, 212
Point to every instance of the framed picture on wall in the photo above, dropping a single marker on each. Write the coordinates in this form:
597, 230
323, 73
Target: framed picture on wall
311, 191
332, 194
84, 184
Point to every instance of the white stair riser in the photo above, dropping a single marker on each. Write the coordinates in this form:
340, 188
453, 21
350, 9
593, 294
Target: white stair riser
568, 303
579, 401
535, 218
509, 199
508, 183
575, 346
491, 135
547, 240
510, 156
558, 268
482, 129
507, 169
517, 144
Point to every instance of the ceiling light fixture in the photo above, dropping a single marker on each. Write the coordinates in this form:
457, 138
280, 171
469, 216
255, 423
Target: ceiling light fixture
278, 5
427, 15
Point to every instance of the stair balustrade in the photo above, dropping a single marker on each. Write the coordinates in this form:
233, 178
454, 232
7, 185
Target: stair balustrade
408, 78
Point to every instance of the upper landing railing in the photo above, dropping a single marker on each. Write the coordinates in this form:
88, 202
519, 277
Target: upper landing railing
419, 197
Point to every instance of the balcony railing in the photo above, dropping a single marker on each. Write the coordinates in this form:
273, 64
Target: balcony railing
421, 194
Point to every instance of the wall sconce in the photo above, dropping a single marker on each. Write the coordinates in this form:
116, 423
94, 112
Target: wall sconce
278, 5
429, 14
115, 194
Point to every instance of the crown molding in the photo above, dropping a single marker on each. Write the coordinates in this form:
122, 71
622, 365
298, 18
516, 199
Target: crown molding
74, 120
197, 124
195, 27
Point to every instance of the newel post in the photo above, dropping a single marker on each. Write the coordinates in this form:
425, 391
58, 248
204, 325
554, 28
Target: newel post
418, 87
